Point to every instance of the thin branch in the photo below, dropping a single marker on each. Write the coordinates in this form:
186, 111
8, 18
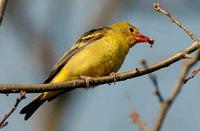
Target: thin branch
135, 116
158, 8
154, 80
3, 122
194, 73
165, 106
3, 4
36, 88
136, 119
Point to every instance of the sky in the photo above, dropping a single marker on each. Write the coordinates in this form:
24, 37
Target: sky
34, 34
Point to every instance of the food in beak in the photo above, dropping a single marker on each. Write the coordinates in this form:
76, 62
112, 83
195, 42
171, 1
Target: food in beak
142, 38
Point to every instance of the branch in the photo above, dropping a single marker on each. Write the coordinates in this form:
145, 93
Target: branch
135, 117
3, 122
194, 73
153, 79
165, 106
137, 120
174, 20
181, 81
36, 88
3, 4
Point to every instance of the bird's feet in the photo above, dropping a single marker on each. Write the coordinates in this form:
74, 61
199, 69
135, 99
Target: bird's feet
87, 80
114, 76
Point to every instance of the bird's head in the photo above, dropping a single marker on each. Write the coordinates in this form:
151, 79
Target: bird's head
132, 33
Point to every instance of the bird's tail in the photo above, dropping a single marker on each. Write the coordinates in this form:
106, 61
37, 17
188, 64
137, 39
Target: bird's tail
32, 107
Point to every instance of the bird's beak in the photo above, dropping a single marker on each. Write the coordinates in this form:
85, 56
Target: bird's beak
141, 38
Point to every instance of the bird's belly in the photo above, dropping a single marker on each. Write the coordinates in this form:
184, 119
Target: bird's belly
94, 66
87, 65
95, 62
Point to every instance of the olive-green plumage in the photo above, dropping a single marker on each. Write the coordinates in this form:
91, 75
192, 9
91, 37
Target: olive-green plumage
98, 52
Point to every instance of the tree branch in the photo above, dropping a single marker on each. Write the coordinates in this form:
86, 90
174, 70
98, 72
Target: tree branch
36, 88
135, 117
3, 122
174, 20
154, 80
3, 4
165, 106
194, 73
138, 122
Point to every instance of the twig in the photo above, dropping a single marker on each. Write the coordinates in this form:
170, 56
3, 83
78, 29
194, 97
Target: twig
194, 73
165, 106
158, 8
136, 119
3, 122
33, 88
153, 79
3, 4
135, 116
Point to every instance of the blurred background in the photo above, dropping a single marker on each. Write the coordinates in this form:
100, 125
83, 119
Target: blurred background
35, 33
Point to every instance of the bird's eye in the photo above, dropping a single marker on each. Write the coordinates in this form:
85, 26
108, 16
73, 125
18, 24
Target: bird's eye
131, 30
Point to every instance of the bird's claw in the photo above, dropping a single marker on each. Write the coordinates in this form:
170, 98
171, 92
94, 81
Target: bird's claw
114, 76
87, 80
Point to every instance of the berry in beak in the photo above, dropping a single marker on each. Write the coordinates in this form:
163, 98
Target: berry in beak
141, 38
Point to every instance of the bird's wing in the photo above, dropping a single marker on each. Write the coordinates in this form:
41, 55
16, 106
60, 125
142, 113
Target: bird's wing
84, 40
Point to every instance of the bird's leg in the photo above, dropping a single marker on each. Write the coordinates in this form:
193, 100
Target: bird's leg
87, 80
114, 76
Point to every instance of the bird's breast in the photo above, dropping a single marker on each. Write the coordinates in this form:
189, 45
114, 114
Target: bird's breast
97, 59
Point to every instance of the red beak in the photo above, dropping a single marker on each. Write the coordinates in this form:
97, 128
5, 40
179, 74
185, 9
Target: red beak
142, 38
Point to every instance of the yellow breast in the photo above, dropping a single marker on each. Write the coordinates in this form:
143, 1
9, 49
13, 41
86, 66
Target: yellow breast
96, 59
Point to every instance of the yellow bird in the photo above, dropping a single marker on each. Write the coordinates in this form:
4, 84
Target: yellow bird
98, 52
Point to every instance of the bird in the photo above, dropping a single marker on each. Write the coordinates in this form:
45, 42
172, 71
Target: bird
98, 52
